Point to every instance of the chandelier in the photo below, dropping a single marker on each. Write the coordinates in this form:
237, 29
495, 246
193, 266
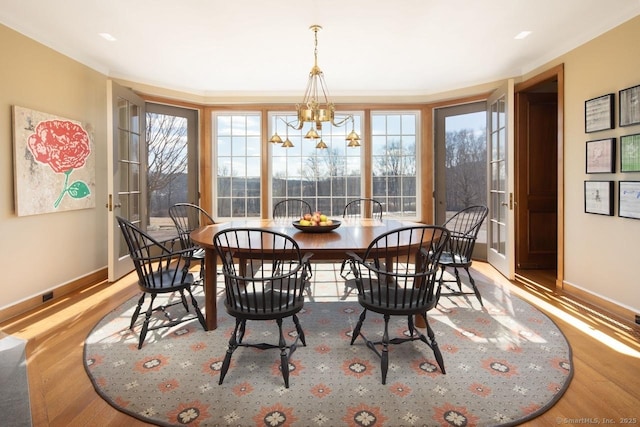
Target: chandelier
316, 108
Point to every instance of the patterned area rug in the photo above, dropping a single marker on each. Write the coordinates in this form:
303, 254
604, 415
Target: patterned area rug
505, 364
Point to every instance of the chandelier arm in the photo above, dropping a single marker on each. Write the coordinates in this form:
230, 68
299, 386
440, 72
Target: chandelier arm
297, 125
343, 121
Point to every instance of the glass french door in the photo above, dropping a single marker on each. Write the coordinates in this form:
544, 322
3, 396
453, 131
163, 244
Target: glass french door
460, 164
127, 164
172, 155
500, 173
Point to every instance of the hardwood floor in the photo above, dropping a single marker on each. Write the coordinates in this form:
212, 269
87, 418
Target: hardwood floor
606, 357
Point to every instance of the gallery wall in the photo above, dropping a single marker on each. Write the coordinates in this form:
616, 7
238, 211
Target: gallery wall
601, 251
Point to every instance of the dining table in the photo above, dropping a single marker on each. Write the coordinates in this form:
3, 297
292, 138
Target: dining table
353, 235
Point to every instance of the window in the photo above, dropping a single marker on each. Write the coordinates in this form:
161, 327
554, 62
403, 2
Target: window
326, 178
394, 162
236, 148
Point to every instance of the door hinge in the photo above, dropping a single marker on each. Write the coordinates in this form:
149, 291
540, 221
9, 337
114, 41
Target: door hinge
511, 201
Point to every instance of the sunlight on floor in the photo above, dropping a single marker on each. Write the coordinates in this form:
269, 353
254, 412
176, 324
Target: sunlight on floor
327, 285
573, 320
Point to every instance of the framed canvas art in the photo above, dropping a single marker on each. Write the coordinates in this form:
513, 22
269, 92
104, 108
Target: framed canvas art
598, 113
54, 164
629, 199
598, 197
630, 153
601, 157
629, 106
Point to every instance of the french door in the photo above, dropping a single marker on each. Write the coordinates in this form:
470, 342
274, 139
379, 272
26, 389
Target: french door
460, 164
500, 174
172, 157
126, 176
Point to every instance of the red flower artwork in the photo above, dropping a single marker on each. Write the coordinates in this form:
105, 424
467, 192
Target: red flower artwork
64, 146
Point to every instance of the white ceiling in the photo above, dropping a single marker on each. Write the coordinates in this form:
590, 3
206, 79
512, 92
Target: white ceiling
265, 48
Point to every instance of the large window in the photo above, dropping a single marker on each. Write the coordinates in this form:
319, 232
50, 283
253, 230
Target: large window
236, 148
326, 178
394, 162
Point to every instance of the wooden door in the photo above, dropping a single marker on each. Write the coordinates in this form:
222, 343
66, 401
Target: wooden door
537, 180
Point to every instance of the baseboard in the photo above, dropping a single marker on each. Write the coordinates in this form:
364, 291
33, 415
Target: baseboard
59, 292
624, 314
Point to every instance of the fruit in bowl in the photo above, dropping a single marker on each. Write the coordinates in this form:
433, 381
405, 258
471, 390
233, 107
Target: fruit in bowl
315, 219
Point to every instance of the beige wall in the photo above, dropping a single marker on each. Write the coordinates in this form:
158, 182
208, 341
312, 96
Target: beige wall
602, 254
44, 251
41, 252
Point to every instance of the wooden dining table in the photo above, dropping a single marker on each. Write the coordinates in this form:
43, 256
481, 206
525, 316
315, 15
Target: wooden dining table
352, 235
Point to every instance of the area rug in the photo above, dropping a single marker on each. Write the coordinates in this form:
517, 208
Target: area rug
505, 364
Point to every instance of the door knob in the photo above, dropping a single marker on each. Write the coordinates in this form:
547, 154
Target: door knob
110, 205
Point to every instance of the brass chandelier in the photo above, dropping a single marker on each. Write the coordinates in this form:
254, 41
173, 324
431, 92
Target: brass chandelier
316, 108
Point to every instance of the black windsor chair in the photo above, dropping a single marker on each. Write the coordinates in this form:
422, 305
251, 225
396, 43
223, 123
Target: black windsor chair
397, 277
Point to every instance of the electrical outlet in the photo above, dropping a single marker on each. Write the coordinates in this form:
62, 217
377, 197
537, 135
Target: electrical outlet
46, 297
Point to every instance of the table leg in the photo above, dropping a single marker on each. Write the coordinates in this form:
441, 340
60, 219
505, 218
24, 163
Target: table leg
210, 288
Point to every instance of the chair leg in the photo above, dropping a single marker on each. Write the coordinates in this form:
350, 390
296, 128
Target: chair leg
299, 330
136, 313
184, 300
475, 288
432, 343
345, 268
196, 308
455, 271
356, 331
309, 269
243, 329
145, 324
411, 326
284, 359
384, 356
233, 344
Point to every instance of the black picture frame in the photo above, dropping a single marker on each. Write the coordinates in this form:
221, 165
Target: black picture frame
601, 156
629, 199
630, 153
598, 197
599, 113
629, 100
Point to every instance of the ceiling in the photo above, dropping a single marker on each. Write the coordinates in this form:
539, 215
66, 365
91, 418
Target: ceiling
250, 48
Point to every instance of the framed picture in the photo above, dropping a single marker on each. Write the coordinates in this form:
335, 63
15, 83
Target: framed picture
629, 106
601, 156
598, 113
54, 164
598, 197
630, 153
629, 199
